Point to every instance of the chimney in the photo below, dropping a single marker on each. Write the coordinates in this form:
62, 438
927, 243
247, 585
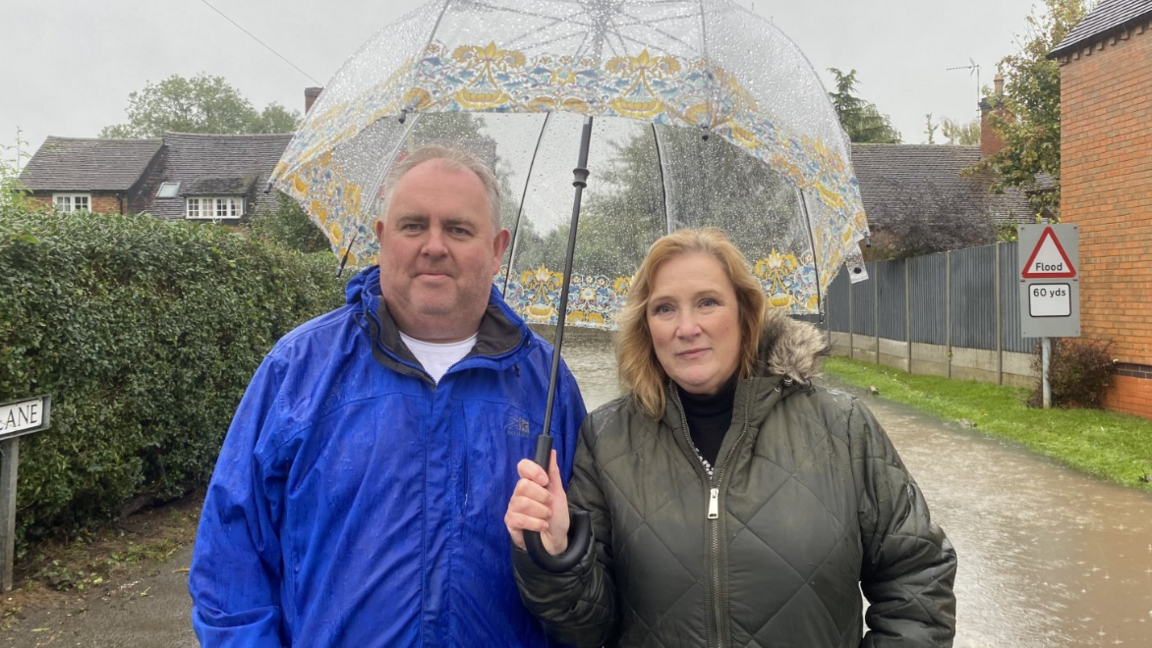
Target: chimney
990, 142
310, 95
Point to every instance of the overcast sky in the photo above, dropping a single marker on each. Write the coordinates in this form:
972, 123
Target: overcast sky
67, 66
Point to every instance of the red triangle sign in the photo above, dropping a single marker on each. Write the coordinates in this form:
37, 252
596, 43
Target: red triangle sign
1048, 260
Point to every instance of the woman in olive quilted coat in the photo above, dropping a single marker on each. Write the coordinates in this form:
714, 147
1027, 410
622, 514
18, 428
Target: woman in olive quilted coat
733, 502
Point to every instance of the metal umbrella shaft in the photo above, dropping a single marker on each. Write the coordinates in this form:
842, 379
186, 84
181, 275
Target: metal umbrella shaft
580, 529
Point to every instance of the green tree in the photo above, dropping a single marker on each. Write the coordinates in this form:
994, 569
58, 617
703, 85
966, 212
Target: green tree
276, 119
962, 134
201, 104
1027, 114
861, 119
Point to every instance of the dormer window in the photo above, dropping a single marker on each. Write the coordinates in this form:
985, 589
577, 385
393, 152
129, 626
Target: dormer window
214, 207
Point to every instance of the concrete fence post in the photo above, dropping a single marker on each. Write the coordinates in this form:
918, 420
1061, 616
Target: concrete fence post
948, 307
999, 323
851, 321
908, 313
876, 307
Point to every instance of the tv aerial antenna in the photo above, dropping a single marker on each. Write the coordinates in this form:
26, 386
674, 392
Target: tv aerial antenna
973, 69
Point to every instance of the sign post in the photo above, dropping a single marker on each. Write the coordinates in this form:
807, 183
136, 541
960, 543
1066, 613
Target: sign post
1049, 287
16, 419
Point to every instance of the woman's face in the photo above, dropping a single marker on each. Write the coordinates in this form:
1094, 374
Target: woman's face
695, 322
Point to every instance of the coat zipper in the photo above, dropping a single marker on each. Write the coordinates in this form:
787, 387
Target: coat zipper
713, 516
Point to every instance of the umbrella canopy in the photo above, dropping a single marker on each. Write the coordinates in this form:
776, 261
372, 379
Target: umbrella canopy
706, 114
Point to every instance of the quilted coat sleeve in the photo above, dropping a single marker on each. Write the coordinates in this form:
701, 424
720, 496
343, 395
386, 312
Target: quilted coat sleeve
909, 565
236, 565
577, 607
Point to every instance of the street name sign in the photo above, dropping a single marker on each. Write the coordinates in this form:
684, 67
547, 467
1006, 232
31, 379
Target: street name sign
17, 418
1049, 280
24, 417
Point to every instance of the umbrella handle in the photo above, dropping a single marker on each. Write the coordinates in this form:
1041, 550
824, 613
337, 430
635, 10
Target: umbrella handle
579, 530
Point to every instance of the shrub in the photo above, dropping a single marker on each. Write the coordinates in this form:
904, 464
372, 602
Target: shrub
145, 333
1079, 373
288, 226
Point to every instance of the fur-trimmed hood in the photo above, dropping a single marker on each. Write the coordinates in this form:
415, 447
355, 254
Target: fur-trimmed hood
790, 348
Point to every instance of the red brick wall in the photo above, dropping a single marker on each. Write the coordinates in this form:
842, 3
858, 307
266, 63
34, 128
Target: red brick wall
105, 203
1130, 395
1106, 184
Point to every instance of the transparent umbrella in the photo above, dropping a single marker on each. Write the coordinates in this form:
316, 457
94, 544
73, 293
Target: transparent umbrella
705, 115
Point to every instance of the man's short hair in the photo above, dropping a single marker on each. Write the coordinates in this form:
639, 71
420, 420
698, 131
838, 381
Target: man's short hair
453, 158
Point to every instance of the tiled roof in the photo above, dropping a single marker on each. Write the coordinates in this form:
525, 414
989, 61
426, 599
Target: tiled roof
902, 179
72, 164
1106, 17
219, 161
219, 186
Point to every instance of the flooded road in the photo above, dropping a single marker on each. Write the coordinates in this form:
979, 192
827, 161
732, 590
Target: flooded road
1048, 557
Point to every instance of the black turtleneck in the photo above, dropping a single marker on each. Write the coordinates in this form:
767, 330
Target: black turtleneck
709, 418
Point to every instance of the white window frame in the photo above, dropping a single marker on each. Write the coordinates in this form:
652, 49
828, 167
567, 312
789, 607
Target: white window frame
214, 208
67, 202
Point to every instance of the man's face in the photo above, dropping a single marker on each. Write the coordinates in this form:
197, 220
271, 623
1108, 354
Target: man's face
438, 252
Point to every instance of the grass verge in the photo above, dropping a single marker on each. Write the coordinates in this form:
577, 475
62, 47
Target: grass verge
1116, 447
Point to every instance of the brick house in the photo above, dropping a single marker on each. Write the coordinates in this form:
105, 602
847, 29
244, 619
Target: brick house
218, 178
103, 175
1106, 169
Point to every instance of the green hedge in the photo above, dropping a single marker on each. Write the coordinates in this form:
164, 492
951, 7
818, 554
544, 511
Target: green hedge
145, 333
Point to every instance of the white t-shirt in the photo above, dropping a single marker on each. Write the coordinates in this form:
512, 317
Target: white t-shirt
436, 358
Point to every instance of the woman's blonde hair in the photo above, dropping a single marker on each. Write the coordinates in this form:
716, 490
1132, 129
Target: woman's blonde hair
640, 370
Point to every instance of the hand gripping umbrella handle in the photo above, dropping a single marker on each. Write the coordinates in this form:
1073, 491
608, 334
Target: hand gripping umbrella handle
579, 530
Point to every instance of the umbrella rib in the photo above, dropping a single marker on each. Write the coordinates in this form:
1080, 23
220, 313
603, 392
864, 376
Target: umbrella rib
379, 179
564, 37
635, 20
532, 14
516, 39
663, 178
708, 62
523, 196
815, 254
431, 36
580, 48
668, 35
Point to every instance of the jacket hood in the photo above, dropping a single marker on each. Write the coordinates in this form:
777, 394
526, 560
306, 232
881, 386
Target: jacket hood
790, 348
359, 287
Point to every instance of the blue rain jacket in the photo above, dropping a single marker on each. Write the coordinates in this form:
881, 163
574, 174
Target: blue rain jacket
357, 503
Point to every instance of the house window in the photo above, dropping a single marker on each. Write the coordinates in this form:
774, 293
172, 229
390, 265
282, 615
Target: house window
168, 190
214, 207
72, 202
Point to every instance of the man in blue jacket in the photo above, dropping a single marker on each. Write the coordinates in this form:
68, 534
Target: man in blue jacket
359, 495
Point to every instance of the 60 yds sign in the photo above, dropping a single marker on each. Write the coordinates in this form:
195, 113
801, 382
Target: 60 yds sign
1050, 300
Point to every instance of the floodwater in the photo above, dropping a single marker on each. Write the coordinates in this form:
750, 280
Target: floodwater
1048, 557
